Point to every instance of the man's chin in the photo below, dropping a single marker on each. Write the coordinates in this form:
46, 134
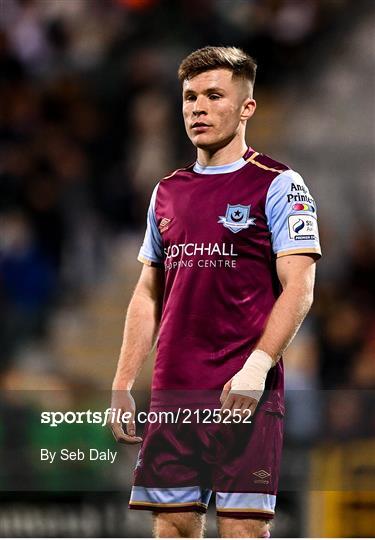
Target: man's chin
203, 144
211, 146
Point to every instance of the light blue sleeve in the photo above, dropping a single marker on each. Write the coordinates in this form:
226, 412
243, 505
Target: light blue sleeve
291, 216
151, 252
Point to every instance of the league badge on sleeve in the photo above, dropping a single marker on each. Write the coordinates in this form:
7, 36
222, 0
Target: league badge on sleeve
302, 227
237, 217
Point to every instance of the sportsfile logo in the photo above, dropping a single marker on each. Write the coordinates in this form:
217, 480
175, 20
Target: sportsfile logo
179, 415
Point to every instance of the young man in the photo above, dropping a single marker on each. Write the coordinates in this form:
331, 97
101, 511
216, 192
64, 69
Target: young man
229, 264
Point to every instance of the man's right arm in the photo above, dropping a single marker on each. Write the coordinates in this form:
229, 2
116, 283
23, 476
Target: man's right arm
141, 327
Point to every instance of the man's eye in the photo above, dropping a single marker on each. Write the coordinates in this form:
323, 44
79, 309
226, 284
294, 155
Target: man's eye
190, 98
215, 96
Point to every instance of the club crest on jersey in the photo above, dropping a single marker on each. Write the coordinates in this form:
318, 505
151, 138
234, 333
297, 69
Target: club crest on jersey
237, 217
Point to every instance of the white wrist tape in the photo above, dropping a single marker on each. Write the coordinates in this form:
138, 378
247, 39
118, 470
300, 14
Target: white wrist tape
250, 380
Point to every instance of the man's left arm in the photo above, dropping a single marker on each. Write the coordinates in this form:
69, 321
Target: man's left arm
297, 276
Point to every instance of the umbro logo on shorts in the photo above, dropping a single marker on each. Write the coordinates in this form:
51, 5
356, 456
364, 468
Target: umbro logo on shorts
261, 475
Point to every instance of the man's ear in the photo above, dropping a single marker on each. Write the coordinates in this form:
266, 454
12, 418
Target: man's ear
248, 109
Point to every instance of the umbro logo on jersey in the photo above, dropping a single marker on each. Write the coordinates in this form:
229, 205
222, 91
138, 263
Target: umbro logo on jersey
237, 217
164, 224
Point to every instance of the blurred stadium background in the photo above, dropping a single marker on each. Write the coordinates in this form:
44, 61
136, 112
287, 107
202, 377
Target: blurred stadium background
89, 121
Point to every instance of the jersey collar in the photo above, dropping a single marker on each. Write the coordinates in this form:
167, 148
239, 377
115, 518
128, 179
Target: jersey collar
221, 169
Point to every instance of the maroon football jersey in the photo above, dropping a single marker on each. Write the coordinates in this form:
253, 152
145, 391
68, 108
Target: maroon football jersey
217, 232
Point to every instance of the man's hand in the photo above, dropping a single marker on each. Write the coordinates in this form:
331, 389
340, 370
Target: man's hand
244, 390
236, 403
123, 400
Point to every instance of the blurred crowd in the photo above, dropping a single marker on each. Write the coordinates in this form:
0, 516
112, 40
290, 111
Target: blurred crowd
330, 367
90, 120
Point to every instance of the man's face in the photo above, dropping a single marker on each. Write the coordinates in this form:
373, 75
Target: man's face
214, 106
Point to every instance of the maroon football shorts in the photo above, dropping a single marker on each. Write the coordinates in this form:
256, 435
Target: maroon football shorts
180, 464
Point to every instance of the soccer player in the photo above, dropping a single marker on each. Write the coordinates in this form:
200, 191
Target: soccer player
229, 264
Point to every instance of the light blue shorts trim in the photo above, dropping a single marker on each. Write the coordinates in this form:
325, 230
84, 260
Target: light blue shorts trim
195, 497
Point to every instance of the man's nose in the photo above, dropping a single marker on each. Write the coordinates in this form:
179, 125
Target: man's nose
199, 107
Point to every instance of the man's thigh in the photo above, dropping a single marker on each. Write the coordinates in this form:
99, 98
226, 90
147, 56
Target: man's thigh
178, 524
242, 528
